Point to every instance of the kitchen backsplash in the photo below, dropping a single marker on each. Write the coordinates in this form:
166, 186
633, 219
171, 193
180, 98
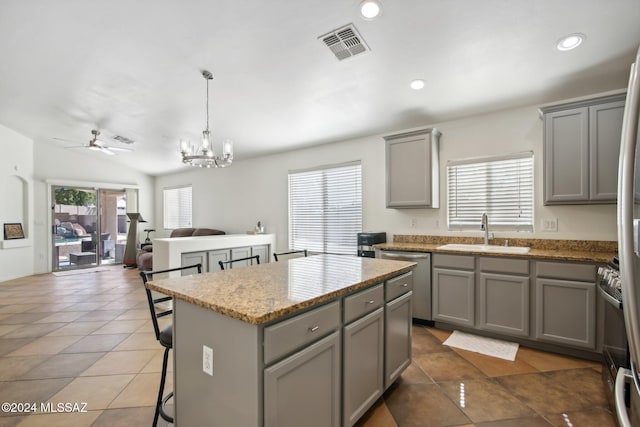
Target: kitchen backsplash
547, 244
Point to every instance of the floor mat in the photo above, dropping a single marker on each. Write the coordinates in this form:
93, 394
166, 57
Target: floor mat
488, 346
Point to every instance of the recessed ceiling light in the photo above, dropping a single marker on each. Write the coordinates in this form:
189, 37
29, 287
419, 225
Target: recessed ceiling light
417, 84
370, 9
571, 41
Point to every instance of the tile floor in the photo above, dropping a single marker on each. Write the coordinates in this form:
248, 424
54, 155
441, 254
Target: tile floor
88, 338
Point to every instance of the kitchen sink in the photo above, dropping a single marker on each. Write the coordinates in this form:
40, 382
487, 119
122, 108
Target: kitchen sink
464, 247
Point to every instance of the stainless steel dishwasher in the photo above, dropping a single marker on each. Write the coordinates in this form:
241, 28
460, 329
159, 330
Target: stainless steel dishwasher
421, 302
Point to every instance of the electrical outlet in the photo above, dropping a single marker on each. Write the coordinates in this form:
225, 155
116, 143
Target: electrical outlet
413, 222
207, 360
549, 224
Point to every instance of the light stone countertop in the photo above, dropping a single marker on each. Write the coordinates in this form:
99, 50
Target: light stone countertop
558, 250
264, 293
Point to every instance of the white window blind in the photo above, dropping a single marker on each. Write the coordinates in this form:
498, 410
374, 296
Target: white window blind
500, 186
177, 207
325, 209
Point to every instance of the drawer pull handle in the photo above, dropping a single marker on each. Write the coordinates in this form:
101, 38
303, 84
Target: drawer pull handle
405, 285
371, 302
315, 328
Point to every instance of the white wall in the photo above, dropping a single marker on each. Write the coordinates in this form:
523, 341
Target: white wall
16, 202
54, 163
235, 198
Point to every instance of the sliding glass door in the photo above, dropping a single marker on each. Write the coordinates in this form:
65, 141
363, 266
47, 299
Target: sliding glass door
89, 227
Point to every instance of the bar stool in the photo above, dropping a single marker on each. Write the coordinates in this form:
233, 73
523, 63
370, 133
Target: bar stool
164, 336
294, 254
230, 262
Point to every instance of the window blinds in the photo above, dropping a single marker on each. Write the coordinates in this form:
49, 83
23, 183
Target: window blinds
177, 207
500, 186
325, 209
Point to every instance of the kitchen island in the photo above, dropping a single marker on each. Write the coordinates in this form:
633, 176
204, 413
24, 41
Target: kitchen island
310, 341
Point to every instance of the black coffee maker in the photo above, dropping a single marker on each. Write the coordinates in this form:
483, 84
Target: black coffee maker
366, 242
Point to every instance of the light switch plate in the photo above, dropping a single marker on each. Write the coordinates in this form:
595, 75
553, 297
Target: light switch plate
207, 360
549, 224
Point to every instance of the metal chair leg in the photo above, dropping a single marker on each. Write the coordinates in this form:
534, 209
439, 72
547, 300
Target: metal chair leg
160, 403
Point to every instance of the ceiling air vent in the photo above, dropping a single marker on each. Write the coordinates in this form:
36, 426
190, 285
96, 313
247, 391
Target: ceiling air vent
345, 42
123, 139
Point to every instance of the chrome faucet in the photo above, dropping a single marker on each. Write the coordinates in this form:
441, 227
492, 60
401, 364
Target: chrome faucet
484, 226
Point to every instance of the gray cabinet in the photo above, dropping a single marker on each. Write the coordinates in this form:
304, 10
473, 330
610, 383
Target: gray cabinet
581, 148
363, 365
503, 296
453, 289
412, 169
304, 389
397, 345
234, 253
566, 304
192, 258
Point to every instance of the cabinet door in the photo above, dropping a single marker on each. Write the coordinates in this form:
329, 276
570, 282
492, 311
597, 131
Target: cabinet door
453, 296
304, 389
397, 346
565, 312
214, 256
194, 258
566, 156
504, 304
412, 170
263, 251
363, 365
240, 253
605, 130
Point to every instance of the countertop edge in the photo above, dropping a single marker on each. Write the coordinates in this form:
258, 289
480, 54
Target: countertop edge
283, 313
565, 255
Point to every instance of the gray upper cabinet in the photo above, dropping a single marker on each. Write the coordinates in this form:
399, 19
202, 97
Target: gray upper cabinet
581, 147
412, 169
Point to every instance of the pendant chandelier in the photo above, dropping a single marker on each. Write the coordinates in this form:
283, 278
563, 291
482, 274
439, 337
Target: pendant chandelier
205, 156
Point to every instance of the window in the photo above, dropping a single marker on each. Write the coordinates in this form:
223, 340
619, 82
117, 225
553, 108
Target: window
177, 207
325, 208
500, 186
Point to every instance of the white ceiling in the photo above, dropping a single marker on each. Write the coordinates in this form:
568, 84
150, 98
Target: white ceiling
132, 68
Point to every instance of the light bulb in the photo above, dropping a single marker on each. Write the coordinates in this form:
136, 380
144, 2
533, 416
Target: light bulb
369, 9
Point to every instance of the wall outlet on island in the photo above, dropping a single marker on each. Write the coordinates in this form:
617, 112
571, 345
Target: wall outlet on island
549, 224
207, 360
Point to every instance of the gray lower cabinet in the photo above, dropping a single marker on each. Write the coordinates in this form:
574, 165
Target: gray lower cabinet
453, 294
566, 312
503, 296
213, 257
397, 320
363, 365
234, 253
192, 258
304, 389
581, 148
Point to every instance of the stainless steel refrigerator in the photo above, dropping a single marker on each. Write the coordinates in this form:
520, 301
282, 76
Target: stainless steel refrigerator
629, 248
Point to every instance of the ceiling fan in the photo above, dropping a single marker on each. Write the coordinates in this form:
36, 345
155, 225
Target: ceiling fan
97, 145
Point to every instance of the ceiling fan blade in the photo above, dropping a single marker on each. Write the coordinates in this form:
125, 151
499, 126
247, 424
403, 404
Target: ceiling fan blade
122, 149
106, 150
65, 140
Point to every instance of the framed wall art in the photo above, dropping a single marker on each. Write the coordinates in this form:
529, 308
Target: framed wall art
13, 231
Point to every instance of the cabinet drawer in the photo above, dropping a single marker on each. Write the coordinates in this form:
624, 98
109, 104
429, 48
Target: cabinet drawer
459, 262
289, 335
561, 270
504, 265
363, 302
398, 286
